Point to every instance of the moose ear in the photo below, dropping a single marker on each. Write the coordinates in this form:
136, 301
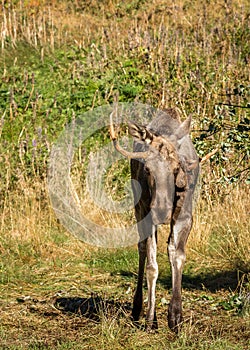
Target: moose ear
183, 129
140, 132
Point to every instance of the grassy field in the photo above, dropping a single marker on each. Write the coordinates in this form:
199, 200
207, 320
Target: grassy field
61, 59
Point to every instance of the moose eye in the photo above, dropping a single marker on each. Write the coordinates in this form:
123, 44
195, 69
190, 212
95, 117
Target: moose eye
146, 169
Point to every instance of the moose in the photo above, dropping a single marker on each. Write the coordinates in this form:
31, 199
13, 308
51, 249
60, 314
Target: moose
166, 166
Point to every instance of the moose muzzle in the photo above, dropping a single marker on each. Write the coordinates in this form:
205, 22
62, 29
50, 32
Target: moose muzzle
161, 216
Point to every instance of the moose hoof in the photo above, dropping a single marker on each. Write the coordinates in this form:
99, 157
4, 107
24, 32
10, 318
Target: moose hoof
175, 323
175, 318
136, 313
151, 327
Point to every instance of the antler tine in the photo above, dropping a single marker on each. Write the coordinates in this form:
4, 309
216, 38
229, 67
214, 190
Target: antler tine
111, 128
127, 154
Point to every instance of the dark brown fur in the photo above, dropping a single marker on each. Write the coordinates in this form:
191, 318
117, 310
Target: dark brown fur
167, 175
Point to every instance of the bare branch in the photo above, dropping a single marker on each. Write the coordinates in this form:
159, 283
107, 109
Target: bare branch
209, 155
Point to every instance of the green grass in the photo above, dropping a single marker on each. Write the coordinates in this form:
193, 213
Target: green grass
212, 301
61, 59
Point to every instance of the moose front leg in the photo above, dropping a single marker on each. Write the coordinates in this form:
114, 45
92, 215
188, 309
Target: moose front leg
144, 225
138, 297
147, 248
176, 251
152, 275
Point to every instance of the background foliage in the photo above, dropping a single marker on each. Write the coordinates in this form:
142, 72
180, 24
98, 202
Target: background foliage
59, 59
191, 56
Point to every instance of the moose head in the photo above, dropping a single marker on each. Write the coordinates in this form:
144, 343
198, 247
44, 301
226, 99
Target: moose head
166, 170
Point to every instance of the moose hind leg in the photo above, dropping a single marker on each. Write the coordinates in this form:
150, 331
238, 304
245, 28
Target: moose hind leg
176, 251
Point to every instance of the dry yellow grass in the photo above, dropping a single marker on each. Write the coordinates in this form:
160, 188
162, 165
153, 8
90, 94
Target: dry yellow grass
219, 238
40, 261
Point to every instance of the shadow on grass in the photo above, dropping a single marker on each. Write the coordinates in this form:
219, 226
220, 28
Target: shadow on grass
93, 307
227, 280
